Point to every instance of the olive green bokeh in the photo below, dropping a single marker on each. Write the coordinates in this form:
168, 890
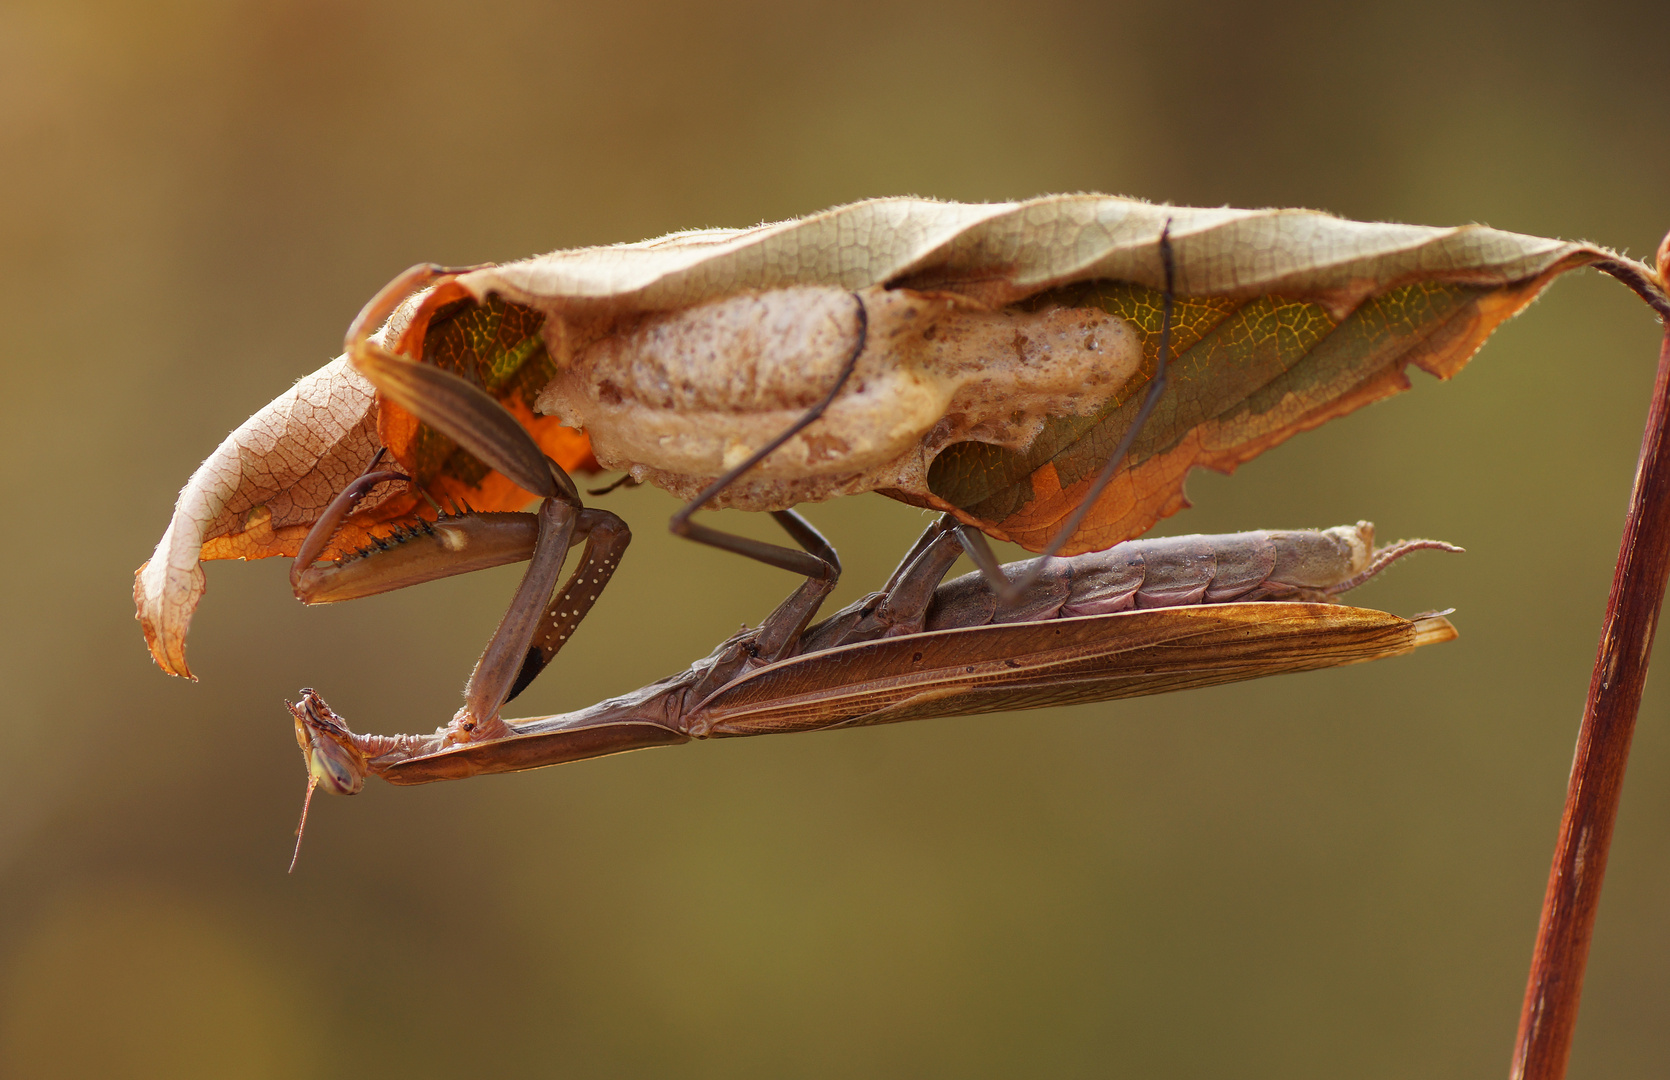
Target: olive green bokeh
1334, 874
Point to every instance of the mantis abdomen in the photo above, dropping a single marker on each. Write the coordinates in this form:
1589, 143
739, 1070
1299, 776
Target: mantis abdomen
1174, 571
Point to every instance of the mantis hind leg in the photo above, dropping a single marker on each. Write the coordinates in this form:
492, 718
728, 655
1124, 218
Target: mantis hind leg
901, 605
974, 541
780, 635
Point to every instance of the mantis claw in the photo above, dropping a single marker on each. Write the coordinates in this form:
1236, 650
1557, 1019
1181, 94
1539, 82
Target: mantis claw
606, 539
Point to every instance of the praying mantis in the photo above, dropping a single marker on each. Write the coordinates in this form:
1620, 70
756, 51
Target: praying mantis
1144, 617
533, 631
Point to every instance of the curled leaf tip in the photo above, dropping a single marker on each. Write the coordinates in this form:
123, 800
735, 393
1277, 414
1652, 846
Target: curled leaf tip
253, 497
168, 650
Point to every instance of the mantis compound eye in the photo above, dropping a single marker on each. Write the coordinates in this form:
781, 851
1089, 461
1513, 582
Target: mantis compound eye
334, 770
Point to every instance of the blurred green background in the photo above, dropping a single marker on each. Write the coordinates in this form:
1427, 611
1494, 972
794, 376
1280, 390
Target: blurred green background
1335, 874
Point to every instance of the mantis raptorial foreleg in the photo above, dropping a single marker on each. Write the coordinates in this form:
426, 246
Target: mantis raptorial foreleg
532, 630
606, 539
527, 638
507, 650
335, 513
536, 625
454, 543
464, 412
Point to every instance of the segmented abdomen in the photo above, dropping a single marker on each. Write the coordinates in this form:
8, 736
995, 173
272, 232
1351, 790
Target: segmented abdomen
1167, 572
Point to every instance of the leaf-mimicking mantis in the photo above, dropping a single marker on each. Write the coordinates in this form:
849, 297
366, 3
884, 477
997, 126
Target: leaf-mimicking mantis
532, 631
1144, 617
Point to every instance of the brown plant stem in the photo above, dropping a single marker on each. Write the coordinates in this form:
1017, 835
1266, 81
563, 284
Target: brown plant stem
1549, 1014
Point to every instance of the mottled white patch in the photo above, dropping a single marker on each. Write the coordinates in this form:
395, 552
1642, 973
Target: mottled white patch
679, 398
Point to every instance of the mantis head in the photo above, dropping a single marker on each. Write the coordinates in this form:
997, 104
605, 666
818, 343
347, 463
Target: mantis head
329, 750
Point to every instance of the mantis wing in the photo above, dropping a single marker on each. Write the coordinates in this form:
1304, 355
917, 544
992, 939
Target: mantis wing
952, 673
1059, 662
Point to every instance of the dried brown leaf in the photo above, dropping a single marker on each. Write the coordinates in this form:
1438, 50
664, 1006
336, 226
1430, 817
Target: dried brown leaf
1008, 346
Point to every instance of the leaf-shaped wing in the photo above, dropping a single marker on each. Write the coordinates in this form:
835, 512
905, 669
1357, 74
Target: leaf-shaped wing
1063, 661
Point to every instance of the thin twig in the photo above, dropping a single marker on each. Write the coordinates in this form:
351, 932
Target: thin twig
1641, 278
1597, 771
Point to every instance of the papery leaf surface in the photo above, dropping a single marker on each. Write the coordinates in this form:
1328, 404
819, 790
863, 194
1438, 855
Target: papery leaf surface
1285, 319
1008, 346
